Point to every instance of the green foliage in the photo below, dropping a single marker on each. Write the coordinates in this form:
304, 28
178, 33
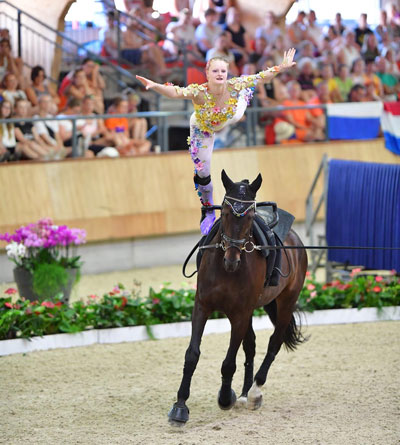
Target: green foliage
118, 308
361, 291
48, 279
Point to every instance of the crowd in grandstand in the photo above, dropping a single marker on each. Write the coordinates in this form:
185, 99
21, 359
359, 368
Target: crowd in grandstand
334, 64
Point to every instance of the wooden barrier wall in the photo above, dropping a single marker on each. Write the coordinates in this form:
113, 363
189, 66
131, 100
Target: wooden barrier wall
154, 194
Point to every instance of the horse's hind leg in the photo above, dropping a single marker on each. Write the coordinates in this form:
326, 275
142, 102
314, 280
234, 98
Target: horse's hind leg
249, 347
226, 396
285, 331
179, 413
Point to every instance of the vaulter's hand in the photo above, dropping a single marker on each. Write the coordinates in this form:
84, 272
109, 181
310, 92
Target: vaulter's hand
146, 82
287, 61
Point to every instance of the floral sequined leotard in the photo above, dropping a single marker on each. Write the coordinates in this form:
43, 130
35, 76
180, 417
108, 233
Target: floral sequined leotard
208, 119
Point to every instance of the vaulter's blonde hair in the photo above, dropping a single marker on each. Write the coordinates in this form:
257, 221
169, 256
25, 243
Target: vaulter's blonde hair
223, 59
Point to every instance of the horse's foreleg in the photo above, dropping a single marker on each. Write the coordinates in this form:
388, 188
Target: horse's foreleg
249, 347
226, 396
179, 413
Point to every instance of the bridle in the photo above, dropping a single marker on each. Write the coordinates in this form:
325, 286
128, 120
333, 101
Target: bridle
240, 244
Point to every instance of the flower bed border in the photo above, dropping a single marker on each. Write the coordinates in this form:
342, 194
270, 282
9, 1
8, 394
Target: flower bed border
183, 329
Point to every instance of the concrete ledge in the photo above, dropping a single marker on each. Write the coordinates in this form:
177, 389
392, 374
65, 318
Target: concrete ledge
173, 330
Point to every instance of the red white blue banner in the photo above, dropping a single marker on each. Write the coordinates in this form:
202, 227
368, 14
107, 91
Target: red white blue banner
390, 122
357, 120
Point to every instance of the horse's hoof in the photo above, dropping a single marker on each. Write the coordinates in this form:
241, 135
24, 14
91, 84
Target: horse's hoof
178, 415
254, 397
241, 402
232, 402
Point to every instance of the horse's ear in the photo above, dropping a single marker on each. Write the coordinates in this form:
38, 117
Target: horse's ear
256, 184
228, 183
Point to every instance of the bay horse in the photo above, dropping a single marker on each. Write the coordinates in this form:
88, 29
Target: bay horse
231, 280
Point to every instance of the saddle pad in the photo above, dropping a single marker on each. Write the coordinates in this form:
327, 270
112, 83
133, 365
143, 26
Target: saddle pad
284, 224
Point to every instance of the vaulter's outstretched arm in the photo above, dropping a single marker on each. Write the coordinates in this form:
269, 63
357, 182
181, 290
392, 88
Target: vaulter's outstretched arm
268, 74
167, 90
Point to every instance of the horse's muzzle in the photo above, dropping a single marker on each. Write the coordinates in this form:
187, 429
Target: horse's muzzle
231, 265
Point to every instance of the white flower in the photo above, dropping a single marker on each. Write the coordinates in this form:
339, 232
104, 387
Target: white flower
16, 251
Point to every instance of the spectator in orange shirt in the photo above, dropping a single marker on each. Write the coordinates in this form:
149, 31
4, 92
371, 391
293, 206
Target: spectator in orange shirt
307, 126
120, 127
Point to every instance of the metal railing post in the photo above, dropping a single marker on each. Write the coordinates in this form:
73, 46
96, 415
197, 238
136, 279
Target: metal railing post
19, 34
75, 151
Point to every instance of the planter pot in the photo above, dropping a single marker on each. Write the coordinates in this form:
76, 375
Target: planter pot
24, 280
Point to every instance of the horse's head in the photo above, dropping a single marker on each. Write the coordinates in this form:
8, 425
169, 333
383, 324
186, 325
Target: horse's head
237, 215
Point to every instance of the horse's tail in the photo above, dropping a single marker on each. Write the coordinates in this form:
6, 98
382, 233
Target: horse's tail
293, 335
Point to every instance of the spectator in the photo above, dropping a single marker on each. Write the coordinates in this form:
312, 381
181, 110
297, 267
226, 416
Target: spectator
362, 29
9, 151
11, 91
314, 32
371, 78
384, 28
344, 82
307, 127
357, 93
110, 42
369, 49
394, 22
357, 71
370, 95
390, 83
306, 50
79, 88
306, 78
269, 31
9, 64
334, 40
32, 146
278, 49
73, 108
338, 25
137, 125
139, 50
95, 82
96, 137
39, 87
391, 64
349, 50
240, 43
260, 53
207, 32
119, 126
296, 31
222, 49
321, 97
183, 32
48, 130
327, 76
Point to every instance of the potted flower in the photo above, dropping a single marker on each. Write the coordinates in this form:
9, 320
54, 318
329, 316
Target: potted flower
45, 259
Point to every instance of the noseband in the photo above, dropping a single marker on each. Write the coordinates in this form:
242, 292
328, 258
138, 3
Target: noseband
240, 244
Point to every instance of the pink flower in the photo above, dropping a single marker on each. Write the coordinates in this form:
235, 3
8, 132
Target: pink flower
115, 291
378, 279
10, 291
308, 273
355, 271
156, 300
310, 287
8, 304
93, 296
377, 289
313, 294
393, 272
48, 304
